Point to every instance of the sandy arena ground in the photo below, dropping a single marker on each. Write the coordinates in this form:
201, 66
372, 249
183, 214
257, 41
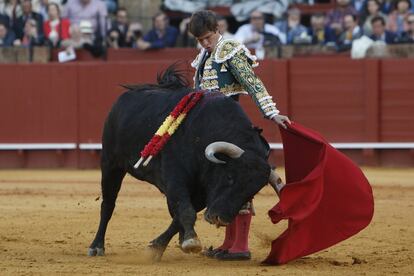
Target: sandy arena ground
49, 218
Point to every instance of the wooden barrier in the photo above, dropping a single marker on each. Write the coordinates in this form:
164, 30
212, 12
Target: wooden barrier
346, 100
24, 55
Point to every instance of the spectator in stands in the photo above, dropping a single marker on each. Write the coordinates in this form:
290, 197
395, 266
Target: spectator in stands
185, 38
116, 37
257, 33
358, 5
134, 34
162, 34
351, 32
379, 33
291, 27
56, 28
371, 10
111, 5
21, 28
242, 9
386, 6
41, 6
31, 37
76, 40
83, 36
397, 20
223, 27
408, 36
12, 9
94, 11
5, 20
7, 36
335, 17
319, 32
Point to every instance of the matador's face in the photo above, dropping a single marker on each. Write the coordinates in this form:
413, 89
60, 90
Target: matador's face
209, 40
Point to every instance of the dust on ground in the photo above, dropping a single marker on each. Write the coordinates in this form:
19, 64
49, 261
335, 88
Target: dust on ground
49, 217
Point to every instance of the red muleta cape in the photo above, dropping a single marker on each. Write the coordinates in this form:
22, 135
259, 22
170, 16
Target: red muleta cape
327, 198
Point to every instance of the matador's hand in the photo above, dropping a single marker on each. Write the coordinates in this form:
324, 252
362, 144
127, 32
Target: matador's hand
281, 120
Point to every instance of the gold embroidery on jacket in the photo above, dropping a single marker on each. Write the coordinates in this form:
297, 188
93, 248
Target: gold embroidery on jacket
230, 89
234, 58
210, 74
227, 48
243, 72
209, 84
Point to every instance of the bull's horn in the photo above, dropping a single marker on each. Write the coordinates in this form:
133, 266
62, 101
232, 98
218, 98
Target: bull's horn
276, 182
229, 149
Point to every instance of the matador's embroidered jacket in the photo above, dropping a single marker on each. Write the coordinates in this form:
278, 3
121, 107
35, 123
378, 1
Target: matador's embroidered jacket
229, 69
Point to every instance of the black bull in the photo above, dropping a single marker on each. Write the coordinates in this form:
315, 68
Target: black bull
222, 178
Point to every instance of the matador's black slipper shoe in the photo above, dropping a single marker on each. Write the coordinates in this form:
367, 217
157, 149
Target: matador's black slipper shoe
212, 252
236, 256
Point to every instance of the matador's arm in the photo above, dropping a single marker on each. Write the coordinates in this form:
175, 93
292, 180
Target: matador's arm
242, 70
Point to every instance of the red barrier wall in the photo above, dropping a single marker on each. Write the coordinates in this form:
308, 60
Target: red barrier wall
36, 100
346, 100
151, 55
38, 104
397, 101
323, 95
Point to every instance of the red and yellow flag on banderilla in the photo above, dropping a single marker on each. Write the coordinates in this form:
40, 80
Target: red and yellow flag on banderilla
168, 127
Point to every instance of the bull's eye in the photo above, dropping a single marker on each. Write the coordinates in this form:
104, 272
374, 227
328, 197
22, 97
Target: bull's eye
230, 179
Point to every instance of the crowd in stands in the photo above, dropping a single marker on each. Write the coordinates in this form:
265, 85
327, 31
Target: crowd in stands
96, 24
53, 23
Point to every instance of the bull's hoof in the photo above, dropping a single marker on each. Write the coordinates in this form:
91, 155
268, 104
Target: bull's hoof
155, 252
192, 245
96, 251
